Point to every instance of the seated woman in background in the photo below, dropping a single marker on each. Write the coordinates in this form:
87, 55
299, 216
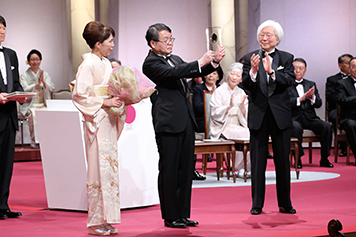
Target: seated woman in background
35, 80
210, 82
228, 109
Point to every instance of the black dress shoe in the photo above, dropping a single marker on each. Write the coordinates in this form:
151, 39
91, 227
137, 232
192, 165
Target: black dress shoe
209, 158
343, 154
9, 214
326, 163
197, 176
174, 223
2, 216
256, 211
300, 165
189, 222
287, 210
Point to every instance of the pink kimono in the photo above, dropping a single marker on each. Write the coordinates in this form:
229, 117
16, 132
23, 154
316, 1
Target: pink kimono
101, 131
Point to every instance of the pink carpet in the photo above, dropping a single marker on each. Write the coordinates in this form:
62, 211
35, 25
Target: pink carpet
220, 211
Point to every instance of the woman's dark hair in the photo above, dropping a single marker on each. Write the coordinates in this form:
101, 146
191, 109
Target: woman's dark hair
220, 73
95, 31
153, 32
2, 21
34, 51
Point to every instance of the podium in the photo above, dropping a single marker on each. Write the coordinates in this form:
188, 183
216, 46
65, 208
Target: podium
60, 132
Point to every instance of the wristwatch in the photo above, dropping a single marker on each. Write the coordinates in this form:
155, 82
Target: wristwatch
270, 74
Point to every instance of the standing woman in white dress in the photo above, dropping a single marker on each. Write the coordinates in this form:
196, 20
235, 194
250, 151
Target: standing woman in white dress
228, 108
38, 81
101, 129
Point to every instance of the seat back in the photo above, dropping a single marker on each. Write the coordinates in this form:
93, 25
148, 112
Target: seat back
340, 135
207, 98
62, 95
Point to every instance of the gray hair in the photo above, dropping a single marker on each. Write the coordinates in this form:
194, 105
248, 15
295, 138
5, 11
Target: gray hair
234, 65
278, 30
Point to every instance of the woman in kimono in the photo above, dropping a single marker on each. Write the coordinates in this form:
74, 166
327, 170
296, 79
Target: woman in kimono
38, 81
101, 129
210, 82
228, 107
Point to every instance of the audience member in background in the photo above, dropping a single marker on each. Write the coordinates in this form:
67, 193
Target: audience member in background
194, 81
229, 114
9, 82
267, 74
304, 98
174, 121
38, 81
331, 95
101, 130
210, 82
346, 91
114, 62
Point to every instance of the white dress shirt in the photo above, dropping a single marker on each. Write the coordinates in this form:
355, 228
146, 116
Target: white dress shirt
3, 66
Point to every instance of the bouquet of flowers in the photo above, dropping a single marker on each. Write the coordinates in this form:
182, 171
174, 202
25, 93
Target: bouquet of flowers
130, 85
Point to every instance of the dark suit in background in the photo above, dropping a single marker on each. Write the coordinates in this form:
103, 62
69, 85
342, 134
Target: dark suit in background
269, 114
347, 99
8, 126
174, 125
331, 94
304, 117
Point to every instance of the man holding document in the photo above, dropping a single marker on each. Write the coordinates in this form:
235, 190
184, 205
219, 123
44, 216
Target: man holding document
9, 82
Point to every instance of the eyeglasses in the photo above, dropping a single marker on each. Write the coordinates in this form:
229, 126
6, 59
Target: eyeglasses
167, 41
269, 36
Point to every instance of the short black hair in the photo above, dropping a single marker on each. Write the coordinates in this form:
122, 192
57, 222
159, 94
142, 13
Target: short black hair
300, 60
2, 21
352, 58
153, 32
220, 74
34, 51
341, 58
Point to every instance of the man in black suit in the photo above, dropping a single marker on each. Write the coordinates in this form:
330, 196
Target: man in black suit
346, 91
331, 95
304, 98
173, 121
9, 82
267, 74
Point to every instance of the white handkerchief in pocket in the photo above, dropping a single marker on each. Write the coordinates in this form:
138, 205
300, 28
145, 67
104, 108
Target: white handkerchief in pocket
280, 68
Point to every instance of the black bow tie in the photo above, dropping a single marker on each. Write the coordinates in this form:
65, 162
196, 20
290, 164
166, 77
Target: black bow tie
298, 83
270, 54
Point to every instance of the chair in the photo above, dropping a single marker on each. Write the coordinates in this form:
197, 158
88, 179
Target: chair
63, 94
208, 147
22, 119
340, 135
309, 137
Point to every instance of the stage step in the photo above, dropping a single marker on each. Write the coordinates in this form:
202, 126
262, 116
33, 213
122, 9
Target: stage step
26, 153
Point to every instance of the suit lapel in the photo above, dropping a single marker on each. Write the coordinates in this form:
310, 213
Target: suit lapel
182, 82
8, 72
351, 85
272, 84
262, 76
